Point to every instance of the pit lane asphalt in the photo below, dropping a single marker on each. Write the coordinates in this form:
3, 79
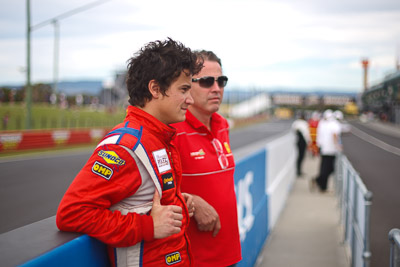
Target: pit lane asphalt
379, 169
31, 186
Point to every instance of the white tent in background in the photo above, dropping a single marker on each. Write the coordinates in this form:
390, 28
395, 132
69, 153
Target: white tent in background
250, 107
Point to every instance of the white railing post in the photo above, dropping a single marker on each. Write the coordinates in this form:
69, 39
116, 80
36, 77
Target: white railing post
394, 237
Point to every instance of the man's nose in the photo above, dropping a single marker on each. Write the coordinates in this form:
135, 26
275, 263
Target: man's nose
189, 99
215, 86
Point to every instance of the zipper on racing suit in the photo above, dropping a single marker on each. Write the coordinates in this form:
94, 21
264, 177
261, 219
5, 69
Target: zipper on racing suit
180, 197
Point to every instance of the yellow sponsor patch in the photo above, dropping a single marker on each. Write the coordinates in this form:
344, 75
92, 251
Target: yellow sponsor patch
173, 258
111, 157
102, 170
227, 147
168, 181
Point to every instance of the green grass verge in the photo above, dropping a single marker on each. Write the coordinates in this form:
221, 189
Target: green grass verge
46, 116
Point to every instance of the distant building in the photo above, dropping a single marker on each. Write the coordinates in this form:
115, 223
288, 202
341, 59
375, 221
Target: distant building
383, 99
336, 100
312, 100
119, 89
251, 107
287, 99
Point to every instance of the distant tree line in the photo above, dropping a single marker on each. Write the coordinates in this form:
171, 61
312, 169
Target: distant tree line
43, 93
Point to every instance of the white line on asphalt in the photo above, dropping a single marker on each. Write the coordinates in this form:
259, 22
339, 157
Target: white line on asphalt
374, 141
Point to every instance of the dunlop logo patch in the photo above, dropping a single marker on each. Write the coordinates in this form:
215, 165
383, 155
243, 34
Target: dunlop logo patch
102, 170
168, 181
111, 157
173, 258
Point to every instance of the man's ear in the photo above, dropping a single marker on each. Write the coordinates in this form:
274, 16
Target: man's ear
154, 88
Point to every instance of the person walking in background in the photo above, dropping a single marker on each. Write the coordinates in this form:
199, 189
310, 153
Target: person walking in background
328, 134
313, 125
208, 167
128, 193
344, 127
301, 128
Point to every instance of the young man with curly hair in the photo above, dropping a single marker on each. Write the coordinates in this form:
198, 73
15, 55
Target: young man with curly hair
128, 193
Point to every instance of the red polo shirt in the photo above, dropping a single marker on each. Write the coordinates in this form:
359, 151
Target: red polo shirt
208, 166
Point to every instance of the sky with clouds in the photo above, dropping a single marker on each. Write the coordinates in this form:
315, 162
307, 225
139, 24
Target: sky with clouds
303, 44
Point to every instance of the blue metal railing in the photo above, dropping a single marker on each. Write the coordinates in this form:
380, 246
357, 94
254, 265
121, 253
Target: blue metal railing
394, 237
355, 202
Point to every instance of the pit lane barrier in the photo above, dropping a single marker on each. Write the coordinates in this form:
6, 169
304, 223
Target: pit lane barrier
394, 238
355, 202
264, 175
44, 139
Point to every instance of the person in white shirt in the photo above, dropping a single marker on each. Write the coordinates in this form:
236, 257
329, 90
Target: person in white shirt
328, 136
300, 127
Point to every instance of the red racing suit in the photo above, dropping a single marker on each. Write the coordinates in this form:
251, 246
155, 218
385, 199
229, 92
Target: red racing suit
313, 125
111, 197
207, 169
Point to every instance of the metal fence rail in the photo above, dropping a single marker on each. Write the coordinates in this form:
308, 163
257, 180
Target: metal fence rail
394, 237
355, 204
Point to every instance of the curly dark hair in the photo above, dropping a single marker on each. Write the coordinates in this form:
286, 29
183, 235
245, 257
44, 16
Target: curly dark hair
162, 61
208, 55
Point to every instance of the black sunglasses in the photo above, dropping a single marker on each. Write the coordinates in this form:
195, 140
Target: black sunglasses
208, 81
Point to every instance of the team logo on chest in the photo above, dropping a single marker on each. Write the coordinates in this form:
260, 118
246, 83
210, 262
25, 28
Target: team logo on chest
162, 160
198, 154
227, 147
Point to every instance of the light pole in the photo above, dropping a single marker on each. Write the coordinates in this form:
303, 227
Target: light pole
56, 54
28, 88
55, 22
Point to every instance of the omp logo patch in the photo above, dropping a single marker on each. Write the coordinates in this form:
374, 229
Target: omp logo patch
168, 181
173, 258
111, 157
102, 170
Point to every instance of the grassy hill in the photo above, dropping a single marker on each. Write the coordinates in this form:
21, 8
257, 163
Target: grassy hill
46, 116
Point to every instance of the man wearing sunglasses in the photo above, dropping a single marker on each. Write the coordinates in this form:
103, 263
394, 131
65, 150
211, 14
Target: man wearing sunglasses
208, 167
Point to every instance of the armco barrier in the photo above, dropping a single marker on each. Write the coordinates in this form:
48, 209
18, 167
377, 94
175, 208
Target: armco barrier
394, 237
81, 251
263, 179
355, 204
23, 140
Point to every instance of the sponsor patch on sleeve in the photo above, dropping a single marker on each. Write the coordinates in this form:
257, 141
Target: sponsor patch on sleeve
102, 170
111, 157
173, 258
162, 161
168, 181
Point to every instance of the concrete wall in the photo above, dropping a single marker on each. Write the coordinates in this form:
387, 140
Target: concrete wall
263, 180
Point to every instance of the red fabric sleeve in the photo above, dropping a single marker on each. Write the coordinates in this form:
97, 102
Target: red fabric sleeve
85, 206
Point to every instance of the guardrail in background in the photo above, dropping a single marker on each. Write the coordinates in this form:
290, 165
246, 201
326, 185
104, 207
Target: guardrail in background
394, 237
22, 140
264, 176
355, 203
